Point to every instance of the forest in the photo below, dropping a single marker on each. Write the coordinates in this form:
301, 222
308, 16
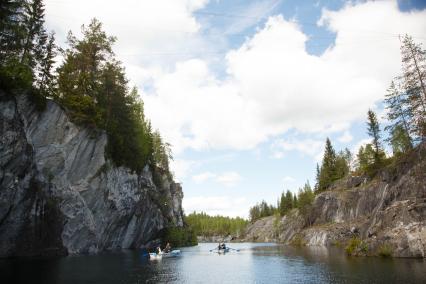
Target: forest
405, 116
205, 225
88, 81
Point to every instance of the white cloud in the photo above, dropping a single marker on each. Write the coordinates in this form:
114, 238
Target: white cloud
274, 85
200, 178
151, 35
308, 147
288, 179
346, 137
181, 168
228, 179
217, 205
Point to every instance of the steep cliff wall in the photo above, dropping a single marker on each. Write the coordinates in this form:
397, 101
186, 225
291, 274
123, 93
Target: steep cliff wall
59, 194
390, 210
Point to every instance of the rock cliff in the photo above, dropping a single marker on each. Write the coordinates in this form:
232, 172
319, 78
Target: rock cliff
59, 194
389, 211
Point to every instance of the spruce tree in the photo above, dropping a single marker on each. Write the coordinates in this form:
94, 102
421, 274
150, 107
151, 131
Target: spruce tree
400, 140
373, 129
399, 112
328, 167
414, 79
34, 33
45, 81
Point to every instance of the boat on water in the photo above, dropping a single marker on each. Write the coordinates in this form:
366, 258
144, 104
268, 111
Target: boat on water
161, 255
155, 256
223, 251
173, 253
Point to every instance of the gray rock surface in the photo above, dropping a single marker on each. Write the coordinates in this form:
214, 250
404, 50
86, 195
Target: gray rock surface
59, 194
387, 211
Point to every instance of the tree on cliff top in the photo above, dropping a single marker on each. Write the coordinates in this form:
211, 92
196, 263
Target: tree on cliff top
399, 114
23, 45
373, 129
414, 83
92, 85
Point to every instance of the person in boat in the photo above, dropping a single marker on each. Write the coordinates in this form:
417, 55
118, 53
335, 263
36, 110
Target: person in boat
168, 248
158, 250
222, 246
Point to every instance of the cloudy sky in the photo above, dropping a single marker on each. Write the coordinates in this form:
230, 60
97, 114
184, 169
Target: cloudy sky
247, 91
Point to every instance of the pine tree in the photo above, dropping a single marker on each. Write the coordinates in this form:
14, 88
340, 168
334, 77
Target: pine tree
286, 203
367, 160
11, 29
328, 167
46, 79
295, 201
342, 163
34, 40
373, 129
414, 78
13, 74
317, 178
399, 112
400, 140
80, 75
305, 198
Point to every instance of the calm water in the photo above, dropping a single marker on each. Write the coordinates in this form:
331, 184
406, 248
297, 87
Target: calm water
255, 263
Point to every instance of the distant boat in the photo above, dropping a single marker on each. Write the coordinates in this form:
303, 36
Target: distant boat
225, 250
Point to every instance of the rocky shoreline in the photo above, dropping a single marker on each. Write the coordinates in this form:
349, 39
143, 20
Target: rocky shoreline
383, 215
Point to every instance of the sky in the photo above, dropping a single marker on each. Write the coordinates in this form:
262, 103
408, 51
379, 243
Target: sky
246, 92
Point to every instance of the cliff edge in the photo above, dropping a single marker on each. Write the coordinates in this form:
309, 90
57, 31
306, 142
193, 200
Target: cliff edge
59, 194
384, 215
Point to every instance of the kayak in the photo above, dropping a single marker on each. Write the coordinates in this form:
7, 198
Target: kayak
222, 250
158, 256
173, 253
155, 256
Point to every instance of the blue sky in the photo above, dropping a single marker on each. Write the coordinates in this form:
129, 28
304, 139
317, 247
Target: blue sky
247, 91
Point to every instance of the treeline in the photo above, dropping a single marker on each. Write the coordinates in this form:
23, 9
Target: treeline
205, 225
405, 103
90, 82
285, 203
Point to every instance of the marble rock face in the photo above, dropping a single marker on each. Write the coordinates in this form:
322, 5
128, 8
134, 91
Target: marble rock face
59, 194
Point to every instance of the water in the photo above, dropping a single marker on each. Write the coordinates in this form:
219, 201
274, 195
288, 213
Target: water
254, 263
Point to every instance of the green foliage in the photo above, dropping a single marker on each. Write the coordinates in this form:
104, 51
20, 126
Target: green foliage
286, 203
305, 198
205, 225
373, 129
356, 246
178, 237
372, 157
414, 84
23, 48
400, 141
333, 167
399, 114
261, 210
93, 87
385, 250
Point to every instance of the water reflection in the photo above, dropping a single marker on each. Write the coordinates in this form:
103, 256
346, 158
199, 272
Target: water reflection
254, 263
